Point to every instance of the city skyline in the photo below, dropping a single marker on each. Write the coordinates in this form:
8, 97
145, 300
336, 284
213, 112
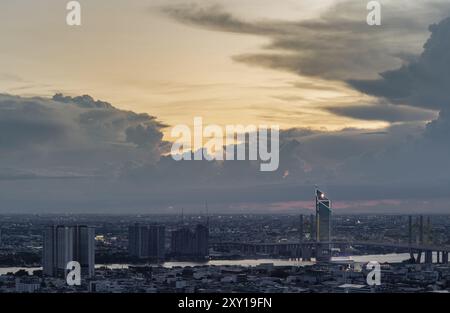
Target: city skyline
224, 154
230, 253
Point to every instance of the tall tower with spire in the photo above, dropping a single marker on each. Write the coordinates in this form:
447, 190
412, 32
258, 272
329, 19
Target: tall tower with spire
323, 226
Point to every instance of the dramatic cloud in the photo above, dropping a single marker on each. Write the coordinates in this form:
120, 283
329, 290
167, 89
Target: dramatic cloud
88, 156
422, 83
72, 137
438, 130
337, 45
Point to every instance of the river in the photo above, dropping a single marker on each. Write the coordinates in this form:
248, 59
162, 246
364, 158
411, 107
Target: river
390, 258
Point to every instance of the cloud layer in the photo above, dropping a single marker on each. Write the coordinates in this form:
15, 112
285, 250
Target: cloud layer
337, 45
85, 155
73, 137
383, 111
423, 82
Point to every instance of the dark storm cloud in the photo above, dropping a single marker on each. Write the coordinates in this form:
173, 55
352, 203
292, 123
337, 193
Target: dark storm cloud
384, 112
421, 157
72, 137
27, 123
337, 45
106, 160
144, 136
438, 130
423, 83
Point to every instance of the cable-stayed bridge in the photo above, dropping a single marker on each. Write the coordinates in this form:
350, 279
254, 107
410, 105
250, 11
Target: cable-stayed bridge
306, 249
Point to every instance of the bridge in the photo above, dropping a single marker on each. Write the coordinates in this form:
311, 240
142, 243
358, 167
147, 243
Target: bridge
319, 242
306, 249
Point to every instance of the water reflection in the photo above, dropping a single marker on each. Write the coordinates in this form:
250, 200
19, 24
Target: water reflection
381, 258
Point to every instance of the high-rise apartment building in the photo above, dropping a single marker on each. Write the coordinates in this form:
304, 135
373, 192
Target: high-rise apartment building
201, 241
192, 244
147, 241
63, 244
84, 249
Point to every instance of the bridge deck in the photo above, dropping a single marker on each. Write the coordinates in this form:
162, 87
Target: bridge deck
420, 247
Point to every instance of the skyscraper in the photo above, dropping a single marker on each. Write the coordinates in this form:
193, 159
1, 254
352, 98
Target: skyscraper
182, 242
63, 244
84, 249
323, 227
147, 241
191, 244
58, 250
201, 241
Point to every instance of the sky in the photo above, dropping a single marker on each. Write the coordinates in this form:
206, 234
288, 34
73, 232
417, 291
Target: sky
363, 109
133, 54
